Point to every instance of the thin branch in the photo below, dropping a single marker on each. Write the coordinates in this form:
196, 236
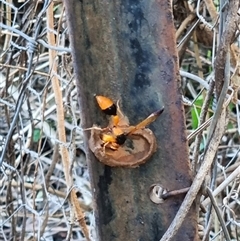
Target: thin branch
198, 180
219, 215
60, 124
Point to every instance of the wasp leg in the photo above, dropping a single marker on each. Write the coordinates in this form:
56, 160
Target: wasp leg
109, 145
104, 147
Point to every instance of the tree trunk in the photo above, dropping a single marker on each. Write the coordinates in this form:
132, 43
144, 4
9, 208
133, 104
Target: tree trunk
125, 50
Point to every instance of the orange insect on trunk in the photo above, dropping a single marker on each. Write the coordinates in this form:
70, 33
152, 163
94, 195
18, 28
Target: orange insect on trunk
106, 105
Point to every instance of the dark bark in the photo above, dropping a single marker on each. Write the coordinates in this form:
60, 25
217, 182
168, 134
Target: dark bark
126, 50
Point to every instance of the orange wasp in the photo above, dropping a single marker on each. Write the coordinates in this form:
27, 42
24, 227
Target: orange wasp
109, 108
116, 136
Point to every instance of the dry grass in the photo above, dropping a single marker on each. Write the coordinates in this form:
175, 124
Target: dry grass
34, 193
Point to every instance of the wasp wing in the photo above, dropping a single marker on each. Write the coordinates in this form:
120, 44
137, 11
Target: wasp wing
151, 118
